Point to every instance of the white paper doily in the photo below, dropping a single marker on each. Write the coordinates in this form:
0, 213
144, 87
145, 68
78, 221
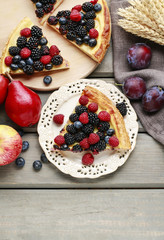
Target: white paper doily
64, 101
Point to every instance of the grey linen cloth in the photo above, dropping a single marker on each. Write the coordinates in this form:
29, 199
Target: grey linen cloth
154, 75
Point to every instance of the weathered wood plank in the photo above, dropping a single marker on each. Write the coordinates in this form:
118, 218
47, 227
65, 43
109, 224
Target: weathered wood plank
79, 214
143, 169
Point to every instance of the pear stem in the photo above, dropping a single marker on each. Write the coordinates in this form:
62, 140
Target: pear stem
9, 76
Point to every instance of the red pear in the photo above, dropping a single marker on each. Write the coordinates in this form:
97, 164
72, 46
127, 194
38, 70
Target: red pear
3, 88
22, 105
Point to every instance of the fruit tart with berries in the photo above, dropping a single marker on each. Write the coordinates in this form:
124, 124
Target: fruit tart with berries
44, 8
87, 26
28, 51
95, 125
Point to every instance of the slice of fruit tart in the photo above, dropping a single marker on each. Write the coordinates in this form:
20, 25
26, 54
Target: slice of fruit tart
87, 26
96, 124
44, 8
28, 51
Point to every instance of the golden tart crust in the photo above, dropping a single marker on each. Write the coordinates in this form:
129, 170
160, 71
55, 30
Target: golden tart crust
103, 25
116, 122
25, 23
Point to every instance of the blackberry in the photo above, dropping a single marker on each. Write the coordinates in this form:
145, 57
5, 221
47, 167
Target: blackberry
122, 108
60, 14
80, 109
44, 1
39, 12
47, 8
52, 1
35, 54
52, 20
73, 117
71, 26
57, 60
66, 14
87, 129
36, 32
63, 29
44, 50
34, 1
81, 31
71, 129
77, 148
69, 138
33, 42
90, 15
90, 24
93, 119
79, 136
87, 6
71, 35
103, 126
38, 66
21, 42
98, 147
101, 135
14, 51
28, 69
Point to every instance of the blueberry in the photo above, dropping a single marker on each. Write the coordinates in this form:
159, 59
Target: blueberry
47, 80
22, 64
110, 132
43, 41
39, 5
14, 67
37, 165
20, 162
97, 7
16, 59
44, 158
86, 39
48, 66
52, 1
82, 15
107, 139
21, 132
78, 124
29, 61
92, 42
62, 20
82, 22
79, 41
64, 147
25, 146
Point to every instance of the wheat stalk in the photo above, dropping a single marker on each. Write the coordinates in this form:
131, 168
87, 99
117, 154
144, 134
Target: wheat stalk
144, 18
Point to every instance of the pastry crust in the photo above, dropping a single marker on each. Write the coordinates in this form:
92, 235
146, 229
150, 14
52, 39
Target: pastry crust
46, 16
103, 40
116, 122
26, 22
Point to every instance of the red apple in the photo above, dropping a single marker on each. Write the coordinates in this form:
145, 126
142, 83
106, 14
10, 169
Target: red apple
3, 88
10, 144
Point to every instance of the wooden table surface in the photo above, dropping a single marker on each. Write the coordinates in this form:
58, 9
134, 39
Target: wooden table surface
128, 204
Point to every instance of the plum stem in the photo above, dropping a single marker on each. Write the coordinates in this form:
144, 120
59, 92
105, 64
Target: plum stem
118, 84
9, 76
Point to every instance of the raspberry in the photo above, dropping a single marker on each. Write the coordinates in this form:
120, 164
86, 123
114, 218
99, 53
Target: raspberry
83, 100
77, 7
93, 107
26, 32
104, 116
25, 53
75, 16
84, 143
58, 118
60, 140
94, 2
8, 60
93, 138
113, 141
93, 33
84, 118
54, 51
45, 59
87, 159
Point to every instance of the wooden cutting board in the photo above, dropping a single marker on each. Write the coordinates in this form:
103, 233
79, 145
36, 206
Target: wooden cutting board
12, 12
